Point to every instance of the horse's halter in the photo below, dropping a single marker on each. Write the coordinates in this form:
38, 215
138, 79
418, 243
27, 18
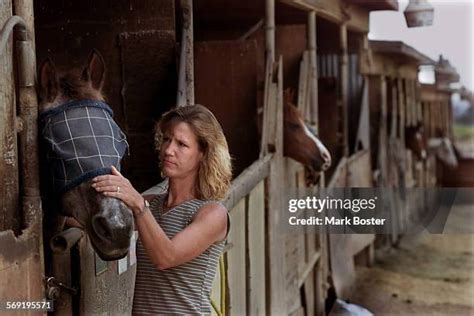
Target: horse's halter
80, 140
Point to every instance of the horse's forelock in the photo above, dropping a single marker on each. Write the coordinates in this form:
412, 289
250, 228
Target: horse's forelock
73, 87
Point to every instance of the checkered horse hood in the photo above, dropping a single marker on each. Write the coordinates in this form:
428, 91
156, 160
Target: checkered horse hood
80, 141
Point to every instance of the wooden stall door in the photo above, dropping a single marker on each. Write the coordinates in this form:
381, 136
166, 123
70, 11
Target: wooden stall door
106, 288
21, 266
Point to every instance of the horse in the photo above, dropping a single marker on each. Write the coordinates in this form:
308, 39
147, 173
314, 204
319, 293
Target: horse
443, 149
300, 141
415, 140
73, 101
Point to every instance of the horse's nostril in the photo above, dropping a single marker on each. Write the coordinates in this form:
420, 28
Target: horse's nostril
327, 158
102, 227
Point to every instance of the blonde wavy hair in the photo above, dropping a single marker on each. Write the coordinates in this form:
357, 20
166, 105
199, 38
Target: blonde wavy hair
215, 170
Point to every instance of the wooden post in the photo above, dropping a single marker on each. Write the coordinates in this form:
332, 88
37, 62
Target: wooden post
9, 190
313, 69
270, 29
344, 86
383, 141
276, 304
419, 102
26, 125
409, 107
186, 63
394, 109
28, 110
401, 110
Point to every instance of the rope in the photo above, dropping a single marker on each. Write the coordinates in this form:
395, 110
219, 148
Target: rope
220, 310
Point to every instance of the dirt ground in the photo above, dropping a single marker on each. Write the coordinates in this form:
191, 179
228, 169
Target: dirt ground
426, 275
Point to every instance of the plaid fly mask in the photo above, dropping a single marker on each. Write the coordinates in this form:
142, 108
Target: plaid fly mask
80, 141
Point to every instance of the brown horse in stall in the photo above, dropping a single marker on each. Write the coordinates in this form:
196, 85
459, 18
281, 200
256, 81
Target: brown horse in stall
300, 142
415, 140
80, 140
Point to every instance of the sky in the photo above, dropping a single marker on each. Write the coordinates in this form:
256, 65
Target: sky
450, 35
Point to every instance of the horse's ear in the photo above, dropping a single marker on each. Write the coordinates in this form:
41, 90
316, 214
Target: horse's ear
48, 81
94, 71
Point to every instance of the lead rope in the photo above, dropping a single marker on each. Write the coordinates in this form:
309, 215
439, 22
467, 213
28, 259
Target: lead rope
220, 310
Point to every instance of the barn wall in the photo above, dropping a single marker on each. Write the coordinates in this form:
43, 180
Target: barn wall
290, 42
226, 74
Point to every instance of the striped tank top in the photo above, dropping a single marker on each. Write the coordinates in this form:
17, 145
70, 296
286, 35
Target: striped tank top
184, 289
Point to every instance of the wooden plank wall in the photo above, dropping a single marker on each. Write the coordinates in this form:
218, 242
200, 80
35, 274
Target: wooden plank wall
256, 244
9, 187
237, 261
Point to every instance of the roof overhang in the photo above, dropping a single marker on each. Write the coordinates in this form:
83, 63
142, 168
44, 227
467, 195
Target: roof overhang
376, 5
401, 51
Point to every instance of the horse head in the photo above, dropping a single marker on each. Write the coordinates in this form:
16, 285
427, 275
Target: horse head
415, 140
80, 140
444, 151
300, 140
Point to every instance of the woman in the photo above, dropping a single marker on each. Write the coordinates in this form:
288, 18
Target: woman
182, 231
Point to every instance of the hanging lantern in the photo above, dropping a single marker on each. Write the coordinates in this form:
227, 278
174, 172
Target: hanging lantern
419, 13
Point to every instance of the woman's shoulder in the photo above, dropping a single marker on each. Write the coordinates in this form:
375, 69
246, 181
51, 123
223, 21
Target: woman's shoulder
216, 212
212, 204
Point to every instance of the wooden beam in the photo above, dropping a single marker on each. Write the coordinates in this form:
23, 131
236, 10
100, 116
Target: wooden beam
401, 109
383, 133
274, 190
303, 83
247, 180
270, 29
343, 82
313, 66
186, 67
394, 109
9, 182
309, 267
256, 292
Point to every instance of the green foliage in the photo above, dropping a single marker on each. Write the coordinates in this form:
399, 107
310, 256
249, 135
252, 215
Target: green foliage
463, 132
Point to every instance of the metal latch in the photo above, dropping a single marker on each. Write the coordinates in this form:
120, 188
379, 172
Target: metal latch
54, 286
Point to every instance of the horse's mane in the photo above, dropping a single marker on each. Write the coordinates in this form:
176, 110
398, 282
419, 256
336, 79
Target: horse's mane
73, 87
291, 112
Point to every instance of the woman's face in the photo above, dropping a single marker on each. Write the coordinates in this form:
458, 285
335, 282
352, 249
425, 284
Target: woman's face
180, 154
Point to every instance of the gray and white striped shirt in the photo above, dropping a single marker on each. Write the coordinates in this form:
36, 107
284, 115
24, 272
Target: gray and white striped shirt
184, 289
